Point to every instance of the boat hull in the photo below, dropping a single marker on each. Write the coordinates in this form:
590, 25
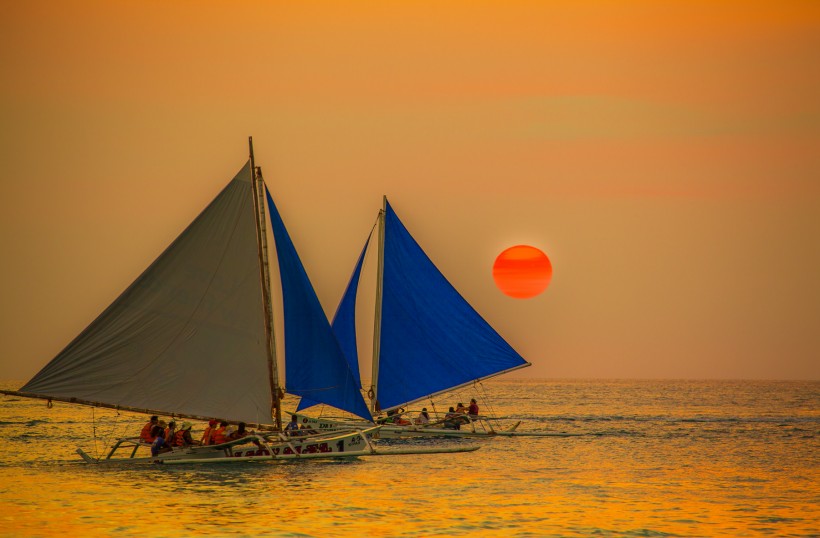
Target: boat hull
257, 448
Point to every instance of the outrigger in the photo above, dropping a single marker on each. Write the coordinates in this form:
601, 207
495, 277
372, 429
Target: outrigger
255, 448
404, 428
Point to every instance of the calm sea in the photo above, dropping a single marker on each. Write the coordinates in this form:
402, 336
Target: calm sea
650, 458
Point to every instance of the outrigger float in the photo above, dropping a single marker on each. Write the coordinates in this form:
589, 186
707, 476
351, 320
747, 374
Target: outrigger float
201, 315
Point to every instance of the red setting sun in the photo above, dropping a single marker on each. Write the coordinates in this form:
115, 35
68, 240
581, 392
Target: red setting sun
522, 271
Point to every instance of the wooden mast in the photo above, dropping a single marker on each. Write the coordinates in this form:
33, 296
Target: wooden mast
373, 393
264, 273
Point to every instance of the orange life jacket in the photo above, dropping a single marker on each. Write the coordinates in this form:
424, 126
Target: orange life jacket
206, 436
145, 434
179, 438
219, 436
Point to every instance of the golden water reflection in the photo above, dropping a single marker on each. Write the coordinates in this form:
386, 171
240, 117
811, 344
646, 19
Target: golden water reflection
653, 471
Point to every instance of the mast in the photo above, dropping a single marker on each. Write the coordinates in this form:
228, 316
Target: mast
373, 393
264, 274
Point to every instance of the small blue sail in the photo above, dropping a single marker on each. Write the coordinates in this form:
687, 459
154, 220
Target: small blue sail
344, 321
432, 340
315, 366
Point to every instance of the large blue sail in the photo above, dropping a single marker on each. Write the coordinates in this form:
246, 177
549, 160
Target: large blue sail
432, 340
314, 364
344, 321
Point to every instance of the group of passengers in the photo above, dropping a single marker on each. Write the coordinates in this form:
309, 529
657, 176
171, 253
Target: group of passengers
453, 420
395, 416
457, 416
164, 437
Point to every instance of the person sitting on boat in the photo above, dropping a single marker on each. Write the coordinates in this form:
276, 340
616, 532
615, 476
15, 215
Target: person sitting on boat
424, 417
183, 436
206, 435
452, 420
170, 431
240, 432
394, 416
391, 416
219, 436
461, 409
145, 434
159, 444
473, 409
292, 427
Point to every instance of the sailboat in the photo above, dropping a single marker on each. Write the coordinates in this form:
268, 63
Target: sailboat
428, 340
193, 337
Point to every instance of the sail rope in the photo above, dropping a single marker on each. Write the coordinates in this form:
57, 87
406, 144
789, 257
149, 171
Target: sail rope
116, 431
94, 433
433, 405
485, 401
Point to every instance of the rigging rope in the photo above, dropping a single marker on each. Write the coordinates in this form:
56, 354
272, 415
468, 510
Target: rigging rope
105, 439
94, 433
486, 401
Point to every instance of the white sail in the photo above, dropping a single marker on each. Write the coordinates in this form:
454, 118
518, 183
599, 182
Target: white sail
188, 335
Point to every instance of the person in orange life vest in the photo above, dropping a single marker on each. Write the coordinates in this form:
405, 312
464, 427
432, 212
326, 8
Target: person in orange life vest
145, 434
183, 436
218, 437
473, 409
170, 431
206, 436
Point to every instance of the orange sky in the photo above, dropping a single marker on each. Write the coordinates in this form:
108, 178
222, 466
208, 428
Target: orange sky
665, 155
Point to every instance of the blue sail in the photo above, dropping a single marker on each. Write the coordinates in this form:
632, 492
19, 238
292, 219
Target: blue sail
432, 340
344, 321
315, 366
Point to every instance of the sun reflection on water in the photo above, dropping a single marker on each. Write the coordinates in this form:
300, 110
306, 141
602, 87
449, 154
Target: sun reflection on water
652, 458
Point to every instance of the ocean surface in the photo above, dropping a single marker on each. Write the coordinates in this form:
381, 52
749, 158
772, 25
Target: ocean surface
646, 458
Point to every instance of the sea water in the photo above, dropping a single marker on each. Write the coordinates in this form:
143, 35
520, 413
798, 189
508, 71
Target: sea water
644, 458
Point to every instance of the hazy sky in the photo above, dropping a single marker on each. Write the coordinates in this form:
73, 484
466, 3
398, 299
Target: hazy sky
665, 155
